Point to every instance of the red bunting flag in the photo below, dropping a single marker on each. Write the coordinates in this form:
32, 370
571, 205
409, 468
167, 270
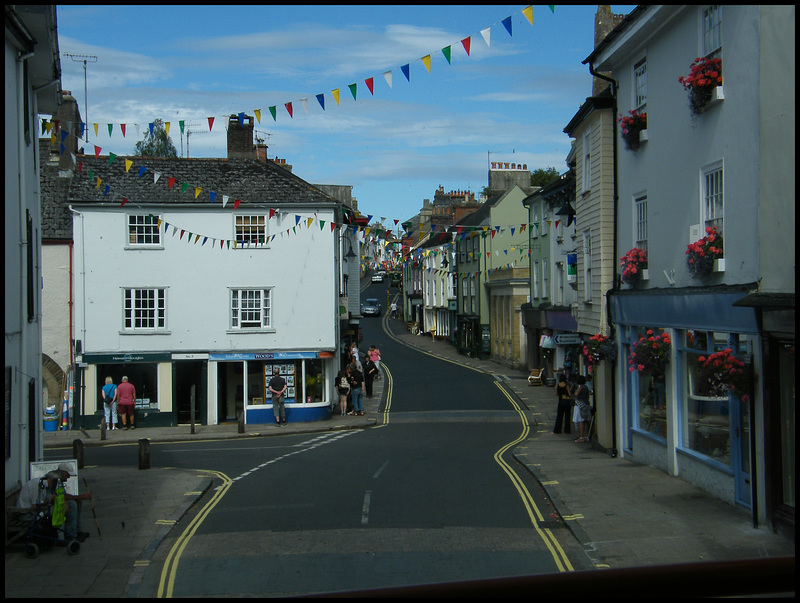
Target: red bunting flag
123, 129
97, 151
124, 201
170, 182
289, 109
236, 204
369, 82
210, 123
271, 213
465, 42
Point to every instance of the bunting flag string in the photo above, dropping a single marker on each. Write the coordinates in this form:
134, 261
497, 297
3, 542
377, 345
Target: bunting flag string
405, 68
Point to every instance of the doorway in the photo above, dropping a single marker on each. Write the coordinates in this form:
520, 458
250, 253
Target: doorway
190, 379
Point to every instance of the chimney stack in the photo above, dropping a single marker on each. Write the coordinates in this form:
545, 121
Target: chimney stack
240, 138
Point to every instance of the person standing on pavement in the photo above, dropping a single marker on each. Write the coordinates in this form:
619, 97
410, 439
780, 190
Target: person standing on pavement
564, 397
126, 402
370, 373
582, 409
343, 388
277, 387
356, 385
108, 396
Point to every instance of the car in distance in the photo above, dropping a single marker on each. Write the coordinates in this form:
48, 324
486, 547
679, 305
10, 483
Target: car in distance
377, 277
371, 307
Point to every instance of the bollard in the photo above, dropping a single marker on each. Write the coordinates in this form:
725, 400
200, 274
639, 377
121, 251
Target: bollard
144, 453
241, 422
77, 452
103, 429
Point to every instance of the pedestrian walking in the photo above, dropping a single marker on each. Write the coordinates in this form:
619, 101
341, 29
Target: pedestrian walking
564, 401
375, 355
394, 309
277, 387
126, 402
108, 396
356, 389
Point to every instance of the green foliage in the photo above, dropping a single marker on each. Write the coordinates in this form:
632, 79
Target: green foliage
543, 176
159, 144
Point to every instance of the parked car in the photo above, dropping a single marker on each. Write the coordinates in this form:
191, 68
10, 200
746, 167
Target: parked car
371, 307
377, 277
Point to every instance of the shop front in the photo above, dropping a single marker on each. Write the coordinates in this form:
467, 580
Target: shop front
689, 396
150, 374
241, 380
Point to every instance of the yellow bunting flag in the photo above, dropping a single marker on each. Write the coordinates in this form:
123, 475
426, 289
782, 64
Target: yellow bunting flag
528, 12
336, 96
426, 60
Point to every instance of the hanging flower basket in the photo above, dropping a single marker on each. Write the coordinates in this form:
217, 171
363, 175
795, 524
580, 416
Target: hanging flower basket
633, 265
725, 374
703, 79
650, 353
631, 125
598, 349
700, 256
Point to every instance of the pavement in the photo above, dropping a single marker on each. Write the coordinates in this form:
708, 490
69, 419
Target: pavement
623, 514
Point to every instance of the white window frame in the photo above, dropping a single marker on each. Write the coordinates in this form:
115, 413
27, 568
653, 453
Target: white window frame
144, 309
536, 279
711, 31
545, 280
712, 197
264, 310
640, 85
245, 226
140, 228
640, 220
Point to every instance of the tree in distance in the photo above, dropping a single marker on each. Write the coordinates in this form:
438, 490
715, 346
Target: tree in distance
157, 144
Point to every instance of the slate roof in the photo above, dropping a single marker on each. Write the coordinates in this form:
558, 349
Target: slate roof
247, 180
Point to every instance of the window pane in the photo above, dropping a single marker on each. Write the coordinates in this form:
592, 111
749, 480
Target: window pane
714, 201
640, 77
712, 30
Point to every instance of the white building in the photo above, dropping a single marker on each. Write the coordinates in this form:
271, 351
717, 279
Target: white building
33, 86
195, 278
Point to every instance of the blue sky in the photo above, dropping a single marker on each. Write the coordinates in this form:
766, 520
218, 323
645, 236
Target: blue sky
508, 100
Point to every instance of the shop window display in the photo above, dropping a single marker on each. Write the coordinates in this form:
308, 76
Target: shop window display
717, 369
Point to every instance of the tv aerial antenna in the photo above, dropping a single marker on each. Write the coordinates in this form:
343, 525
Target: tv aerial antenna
84, 58
192, 128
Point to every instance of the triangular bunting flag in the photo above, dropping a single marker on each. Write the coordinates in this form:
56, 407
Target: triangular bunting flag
258, 117
486, 33
289, 109
210, 123
128, 164
304, 102
507, 25
353, 89
335, 94
446, 53
387, 75
273, 111
465, 43
405, 70
528, 12
426, 60
321, 99
369, 82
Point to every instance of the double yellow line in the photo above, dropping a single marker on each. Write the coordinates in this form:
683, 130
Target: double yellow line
559, 556
168, 572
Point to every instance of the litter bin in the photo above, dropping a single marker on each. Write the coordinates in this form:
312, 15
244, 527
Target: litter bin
50, 423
